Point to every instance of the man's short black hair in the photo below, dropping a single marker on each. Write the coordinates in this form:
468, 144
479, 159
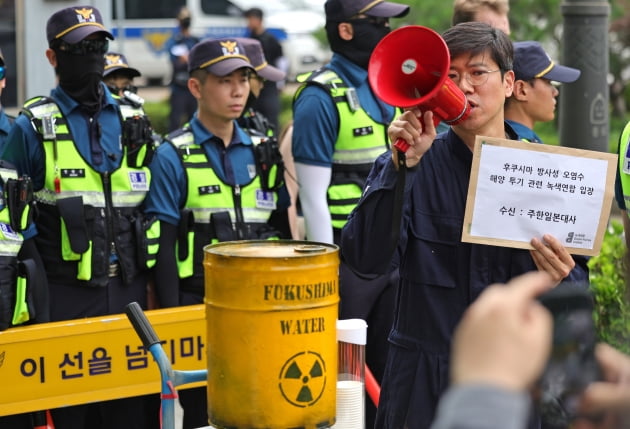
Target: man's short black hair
253, 12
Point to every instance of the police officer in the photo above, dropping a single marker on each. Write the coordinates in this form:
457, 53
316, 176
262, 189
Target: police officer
340, 128
87, 191
141, 140
208, 184
340, 124
118, 75
23, 286
252, 120
536, 79
183, 104
138, 134
268, 101
622, 182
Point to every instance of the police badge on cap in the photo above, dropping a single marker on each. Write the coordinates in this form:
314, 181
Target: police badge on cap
218, 56
74, 24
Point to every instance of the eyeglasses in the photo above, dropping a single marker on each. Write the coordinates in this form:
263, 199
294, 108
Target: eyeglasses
475, 78
131, 88
376, 21
546, 82
85, 46
3, 72
116, 90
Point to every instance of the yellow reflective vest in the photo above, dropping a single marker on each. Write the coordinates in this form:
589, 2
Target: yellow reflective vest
219, 210
360, 141
108, 207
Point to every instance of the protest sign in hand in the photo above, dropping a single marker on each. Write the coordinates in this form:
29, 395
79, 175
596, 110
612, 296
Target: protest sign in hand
520, 190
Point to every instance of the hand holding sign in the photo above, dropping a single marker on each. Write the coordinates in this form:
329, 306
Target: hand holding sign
550, 255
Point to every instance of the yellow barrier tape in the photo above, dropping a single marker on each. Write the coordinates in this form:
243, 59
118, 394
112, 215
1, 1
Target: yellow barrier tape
78, 361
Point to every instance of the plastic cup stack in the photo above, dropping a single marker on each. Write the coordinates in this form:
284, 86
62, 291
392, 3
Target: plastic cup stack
350, 404
351, 338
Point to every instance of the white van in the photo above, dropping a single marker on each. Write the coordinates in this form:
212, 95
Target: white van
143, 28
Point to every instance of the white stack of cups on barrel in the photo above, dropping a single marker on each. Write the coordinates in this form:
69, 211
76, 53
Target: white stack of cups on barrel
351, 339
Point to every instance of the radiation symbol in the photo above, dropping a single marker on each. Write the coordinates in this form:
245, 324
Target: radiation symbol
303, 378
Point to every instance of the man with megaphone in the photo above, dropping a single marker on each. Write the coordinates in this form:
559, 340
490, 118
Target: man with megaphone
340, 128
440, 276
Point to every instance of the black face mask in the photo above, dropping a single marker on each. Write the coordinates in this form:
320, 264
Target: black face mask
367, 34
80, 76
184, 23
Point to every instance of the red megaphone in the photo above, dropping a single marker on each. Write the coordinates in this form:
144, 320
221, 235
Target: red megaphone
409, 67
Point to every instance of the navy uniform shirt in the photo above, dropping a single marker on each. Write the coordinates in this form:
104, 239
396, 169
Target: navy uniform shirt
179, 45
440, 274
523, 132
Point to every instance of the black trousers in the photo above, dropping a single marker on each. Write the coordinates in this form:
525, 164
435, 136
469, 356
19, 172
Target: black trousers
75, 302
17, 421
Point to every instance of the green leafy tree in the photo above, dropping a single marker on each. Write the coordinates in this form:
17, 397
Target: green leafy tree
434, 14
536, 20
607, 275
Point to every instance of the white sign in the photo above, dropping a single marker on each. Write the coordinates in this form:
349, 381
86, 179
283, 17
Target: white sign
520, 190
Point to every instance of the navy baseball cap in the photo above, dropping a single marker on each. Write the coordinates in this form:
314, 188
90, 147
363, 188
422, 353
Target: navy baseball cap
74, 24
115, 61
342, 10
531, 61
254, 51
218, 56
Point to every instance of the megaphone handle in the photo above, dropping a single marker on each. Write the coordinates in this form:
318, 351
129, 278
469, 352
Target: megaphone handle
401, 145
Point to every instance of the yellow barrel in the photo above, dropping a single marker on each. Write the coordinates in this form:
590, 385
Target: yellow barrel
271, 309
